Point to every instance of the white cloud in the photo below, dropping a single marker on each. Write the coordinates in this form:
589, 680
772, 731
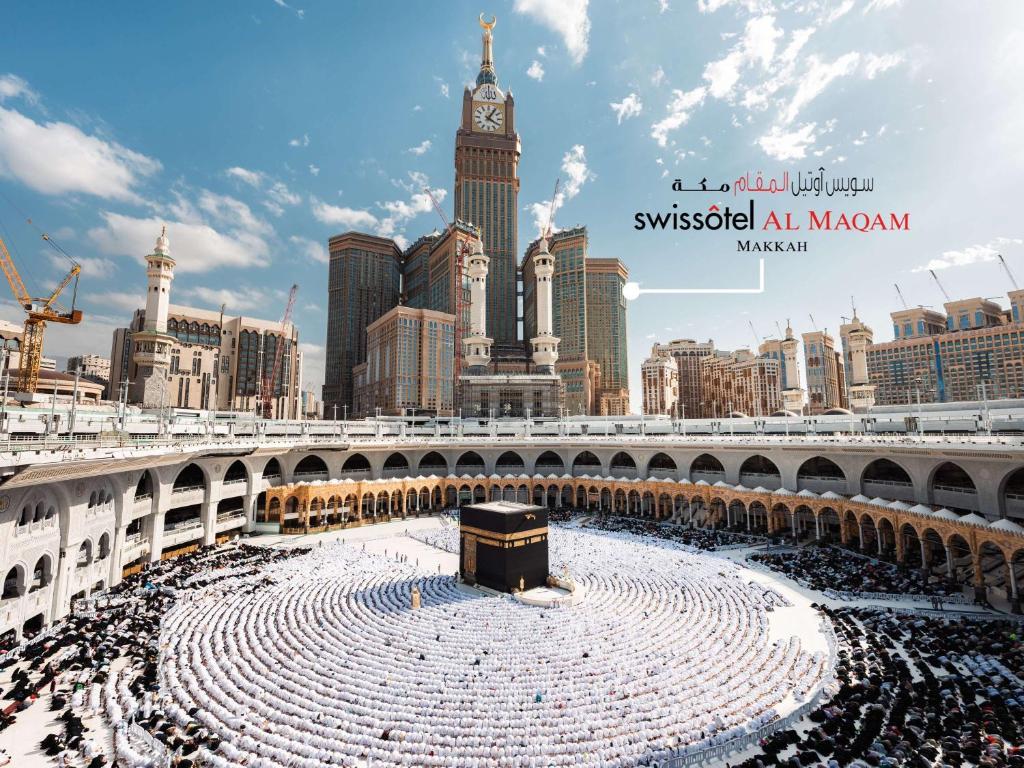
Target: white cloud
839, 11
91, 266
881, 5
420, 149
12, 87
232, 213
342, 216
310, 249
536, 71
280, 194
443, 86
298, 11
816, 79
542, 51
119, 299
791, 145
314, 169
302, 141
876, 65
972, 254
756, 46
658, 77
575, 174
723, 74
195, 245
679, 110
233, 299
57, 158
252, 178
631, 106
662, 6
567, 18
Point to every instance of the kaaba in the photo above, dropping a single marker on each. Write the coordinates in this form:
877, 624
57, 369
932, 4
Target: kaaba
504, 545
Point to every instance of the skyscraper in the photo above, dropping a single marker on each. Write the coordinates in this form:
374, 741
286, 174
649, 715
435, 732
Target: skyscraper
606, 330
688, 355
825, 375
487, 186
364, 282
659, 378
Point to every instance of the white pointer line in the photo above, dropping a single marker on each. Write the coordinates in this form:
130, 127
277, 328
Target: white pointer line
633, 290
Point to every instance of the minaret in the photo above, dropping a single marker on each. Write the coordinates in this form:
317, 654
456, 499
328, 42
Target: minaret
477, 346
152, 344
857, 337
792, 392
545, 344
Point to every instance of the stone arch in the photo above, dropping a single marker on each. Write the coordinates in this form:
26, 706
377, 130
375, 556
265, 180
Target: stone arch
586, 463
144, 488
191, 477
758, 470
237, 472
42, 574
993, 564
960, 559
549, 463
622, 465
14, 583
396, 465
272, 471
820, 474
84, 554
706, 467
662, 466
309, 466
103, 547
433, 463
510, 463
829, 524
469, 463
886, 536
950, 485
888, 479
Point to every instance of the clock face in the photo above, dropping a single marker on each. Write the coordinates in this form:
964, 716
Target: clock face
488, 117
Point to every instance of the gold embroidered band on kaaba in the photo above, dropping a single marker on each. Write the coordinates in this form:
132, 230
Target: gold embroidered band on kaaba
495, 539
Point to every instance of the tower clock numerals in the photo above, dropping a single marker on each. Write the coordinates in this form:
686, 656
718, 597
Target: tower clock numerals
488, 117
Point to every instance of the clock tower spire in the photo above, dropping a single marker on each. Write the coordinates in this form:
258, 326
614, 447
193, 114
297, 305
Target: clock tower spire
487, 186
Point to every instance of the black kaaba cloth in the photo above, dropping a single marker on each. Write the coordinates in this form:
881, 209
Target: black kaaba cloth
503, 545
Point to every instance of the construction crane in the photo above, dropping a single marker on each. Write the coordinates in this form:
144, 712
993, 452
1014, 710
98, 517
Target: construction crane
461, 302
899, 293
814, 325
756, 337
551, 209
936, 279
1009, 274
778, 327
270, 384
38, 312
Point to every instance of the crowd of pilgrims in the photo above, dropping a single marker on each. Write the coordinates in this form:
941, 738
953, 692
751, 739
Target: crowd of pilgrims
707, 539
221, 657
115, 643
916, 691
829, 567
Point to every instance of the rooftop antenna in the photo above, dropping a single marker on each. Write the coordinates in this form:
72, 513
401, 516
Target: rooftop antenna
936, 278
1009, 274
900, 293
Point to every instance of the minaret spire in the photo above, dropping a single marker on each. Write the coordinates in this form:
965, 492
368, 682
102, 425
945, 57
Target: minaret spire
487, 73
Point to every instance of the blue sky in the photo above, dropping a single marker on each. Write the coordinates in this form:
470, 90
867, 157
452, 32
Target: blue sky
257, 129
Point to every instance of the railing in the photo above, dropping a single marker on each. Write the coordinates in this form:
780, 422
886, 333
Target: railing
897, 597
183, 526
956, 489
188, 488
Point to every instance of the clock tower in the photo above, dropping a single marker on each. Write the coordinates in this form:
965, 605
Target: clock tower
487, 186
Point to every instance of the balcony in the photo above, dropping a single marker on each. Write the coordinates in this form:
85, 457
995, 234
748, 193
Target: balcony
135, 546
226, 521
888, 489
180, 533
187, 495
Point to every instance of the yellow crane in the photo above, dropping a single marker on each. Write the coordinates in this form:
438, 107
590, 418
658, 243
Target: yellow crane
38, 312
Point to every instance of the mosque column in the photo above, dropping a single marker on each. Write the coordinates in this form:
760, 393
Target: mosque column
949, 561
1014, 595
817, 527
979, 576
792, 519
153, 524
901, 550
878, 540
208, 513
925, 556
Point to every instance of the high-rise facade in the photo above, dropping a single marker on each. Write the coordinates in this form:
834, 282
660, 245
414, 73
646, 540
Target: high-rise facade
786, 352
409, 359
974, 351
856, 337
688, 355
364, 282
740, 382
659, 379
606, 331
487, 153
825, 375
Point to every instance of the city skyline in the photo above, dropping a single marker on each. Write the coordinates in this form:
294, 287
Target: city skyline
244, 156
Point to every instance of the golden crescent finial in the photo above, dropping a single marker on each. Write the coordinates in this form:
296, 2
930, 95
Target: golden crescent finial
488, 25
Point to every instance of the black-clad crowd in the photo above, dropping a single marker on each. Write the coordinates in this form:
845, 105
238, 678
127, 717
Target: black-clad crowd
74, 663
825, 567
699, 538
